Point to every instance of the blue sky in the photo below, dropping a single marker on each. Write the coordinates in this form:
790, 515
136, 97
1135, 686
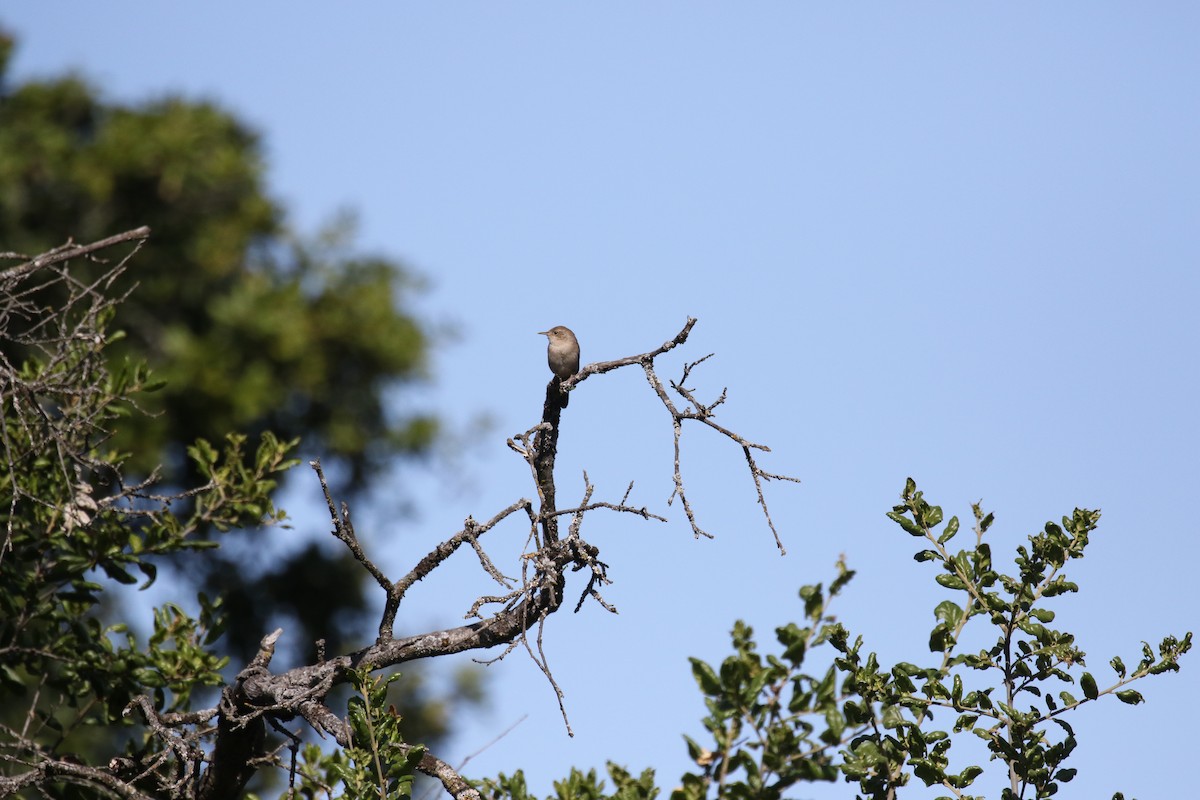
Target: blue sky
953, 241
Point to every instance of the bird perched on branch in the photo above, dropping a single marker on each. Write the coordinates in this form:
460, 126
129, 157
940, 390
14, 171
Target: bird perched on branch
562, 354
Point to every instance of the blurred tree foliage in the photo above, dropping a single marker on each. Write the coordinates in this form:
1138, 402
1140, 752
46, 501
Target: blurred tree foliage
252, 329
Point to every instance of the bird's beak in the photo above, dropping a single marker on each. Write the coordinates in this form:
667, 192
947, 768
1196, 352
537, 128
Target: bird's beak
543, 333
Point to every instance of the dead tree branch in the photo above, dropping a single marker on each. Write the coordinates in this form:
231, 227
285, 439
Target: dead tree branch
212, 754
543, 569
697, 412
67, 252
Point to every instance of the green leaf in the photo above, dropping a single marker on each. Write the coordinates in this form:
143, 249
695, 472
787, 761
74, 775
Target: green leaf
904, 522
204, 454
795, 642
1088, 684
836, 723
1032, 628
892, 717
854, 713
939, 638
950, 581
928, 772
932, 517
814, 601
709, 683
903, 683
1066, 726
965, 721
117, 573
950, 531
844, 577
1130, 696
948, 612
965, 778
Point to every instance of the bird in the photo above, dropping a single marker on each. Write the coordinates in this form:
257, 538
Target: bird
562, 354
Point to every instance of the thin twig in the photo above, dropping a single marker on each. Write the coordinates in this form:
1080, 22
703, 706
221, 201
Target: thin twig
467, 759
343, 530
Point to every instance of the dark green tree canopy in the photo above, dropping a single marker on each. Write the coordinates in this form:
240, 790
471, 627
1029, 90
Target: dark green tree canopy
247, 327
252, 329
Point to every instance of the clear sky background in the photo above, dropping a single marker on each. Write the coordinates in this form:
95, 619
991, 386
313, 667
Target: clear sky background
953, 241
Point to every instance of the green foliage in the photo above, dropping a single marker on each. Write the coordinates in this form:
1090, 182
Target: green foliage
247, 327
232, 468
773, 725
1027, 671
577, 786
72, 529
227, 323
378, 764
251, 329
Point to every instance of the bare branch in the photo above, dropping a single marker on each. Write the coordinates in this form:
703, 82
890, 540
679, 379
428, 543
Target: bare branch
71, 772
467, 759
600, 367
454, 784
187, 752
470, 533
543, 664
343, 530
68, 251
696, 411
704, 414
212, 754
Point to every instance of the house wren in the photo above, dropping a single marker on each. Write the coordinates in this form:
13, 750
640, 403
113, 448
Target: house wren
562, 354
